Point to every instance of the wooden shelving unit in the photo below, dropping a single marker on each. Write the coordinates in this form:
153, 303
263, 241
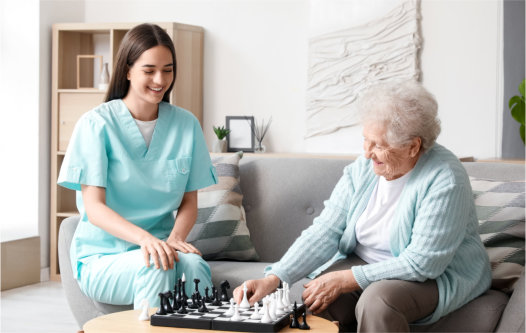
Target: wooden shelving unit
69, 103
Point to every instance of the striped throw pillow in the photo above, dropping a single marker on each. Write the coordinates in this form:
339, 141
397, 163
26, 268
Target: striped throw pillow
500, 210
221, 231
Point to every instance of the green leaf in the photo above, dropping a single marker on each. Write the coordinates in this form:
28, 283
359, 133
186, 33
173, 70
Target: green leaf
514, 100
522, 133
517, 112
521, 88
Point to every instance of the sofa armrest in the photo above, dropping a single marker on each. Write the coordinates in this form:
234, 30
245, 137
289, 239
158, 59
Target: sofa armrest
512, 319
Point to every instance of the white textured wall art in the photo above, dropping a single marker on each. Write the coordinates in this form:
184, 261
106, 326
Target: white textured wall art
344, 63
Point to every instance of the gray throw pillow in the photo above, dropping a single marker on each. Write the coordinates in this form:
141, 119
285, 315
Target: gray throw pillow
500, 210
221, 231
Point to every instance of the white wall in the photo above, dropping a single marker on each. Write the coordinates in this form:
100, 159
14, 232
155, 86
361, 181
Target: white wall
256, 62
19, 134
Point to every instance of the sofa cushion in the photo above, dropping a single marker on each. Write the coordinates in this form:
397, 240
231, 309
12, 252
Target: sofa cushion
220, 231
500, 210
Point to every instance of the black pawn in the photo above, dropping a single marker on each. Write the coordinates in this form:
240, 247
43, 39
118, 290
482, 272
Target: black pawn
194, 303
161, 310
224, 293
214, 293
207, 298
294, 323
182, 309
304, 325
217, 301
203, 307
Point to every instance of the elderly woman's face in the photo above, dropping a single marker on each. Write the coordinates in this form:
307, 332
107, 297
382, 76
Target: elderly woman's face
388, 161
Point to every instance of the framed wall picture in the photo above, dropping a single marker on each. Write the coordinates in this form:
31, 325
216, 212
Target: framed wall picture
240, 136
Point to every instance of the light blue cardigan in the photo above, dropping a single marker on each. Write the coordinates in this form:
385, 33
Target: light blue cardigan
433, 236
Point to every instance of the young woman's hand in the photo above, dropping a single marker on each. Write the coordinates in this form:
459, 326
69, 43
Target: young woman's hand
159, 251
182, 246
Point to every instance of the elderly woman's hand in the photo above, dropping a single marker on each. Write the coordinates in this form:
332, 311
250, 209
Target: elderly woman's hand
322, 291
257, 289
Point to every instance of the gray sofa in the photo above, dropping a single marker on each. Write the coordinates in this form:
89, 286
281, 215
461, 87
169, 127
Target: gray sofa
281, 198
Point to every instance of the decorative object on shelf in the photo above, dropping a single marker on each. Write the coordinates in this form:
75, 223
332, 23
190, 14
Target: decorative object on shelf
240, 137
86, 71
259, 130
219, 145
516, 105
104, 80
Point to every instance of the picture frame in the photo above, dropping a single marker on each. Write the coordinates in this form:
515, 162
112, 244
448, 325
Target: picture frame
240, 137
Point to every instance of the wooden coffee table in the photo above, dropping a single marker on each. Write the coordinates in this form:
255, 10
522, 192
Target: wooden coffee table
128, 322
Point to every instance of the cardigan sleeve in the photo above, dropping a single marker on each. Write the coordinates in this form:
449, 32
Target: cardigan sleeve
441, 217
318, 243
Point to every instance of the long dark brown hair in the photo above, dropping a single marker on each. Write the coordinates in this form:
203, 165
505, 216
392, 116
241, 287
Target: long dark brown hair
139, 39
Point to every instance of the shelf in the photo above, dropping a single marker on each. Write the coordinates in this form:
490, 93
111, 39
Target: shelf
67, 214
82, 91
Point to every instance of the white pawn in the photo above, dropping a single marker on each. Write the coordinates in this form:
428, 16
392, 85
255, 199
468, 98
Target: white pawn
236, 316
230, 311
144, 313
245, 305
266, 315
272, 307
256, 314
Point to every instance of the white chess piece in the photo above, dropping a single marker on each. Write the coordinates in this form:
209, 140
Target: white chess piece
266, 315
245, 305
256, 315
236, 316
287, 300
230, 311
263, 308
279, 303
144, 313
272, 307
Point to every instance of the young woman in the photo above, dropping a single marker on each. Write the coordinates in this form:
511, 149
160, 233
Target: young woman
133, 161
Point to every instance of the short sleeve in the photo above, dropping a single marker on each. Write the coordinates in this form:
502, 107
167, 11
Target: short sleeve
202, 172
86, 161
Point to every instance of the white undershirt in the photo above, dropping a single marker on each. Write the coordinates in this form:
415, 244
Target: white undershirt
373, 226
146, 128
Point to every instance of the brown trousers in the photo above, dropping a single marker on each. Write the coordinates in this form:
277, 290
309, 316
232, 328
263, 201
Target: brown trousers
384, 306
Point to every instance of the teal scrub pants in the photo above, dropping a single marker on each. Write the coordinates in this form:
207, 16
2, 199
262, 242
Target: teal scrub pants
124, 279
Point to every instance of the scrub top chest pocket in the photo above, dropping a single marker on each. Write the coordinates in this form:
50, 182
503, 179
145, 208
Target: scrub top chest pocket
177, 173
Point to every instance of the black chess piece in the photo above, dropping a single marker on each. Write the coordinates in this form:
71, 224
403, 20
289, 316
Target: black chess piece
304, 325
161, 310
182, 309
194, 303
178, 293
203, 307
294, 323
184, 295
196, 291
224, 293
214, 294
167, 305
207, 298
216, 301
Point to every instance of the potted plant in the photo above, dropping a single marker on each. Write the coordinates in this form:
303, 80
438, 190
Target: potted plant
219, 145
516, 105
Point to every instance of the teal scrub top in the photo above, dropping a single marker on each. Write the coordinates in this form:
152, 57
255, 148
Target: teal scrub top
144, 185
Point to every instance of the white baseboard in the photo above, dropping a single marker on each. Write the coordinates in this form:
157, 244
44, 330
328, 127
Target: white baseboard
44, 274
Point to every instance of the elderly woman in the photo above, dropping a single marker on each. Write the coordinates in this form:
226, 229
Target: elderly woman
400, 226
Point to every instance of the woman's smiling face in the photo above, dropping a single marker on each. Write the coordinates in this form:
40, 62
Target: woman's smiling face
151, 75
388, 161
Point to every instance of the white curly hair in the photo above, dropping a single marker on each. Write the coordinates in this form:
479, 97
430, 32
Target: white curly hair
406, 109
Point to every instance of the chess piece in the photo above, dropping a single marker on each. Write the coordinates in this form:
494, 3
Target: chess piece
304, 325
182, 309
224, 293
245, 305
236, 316
266, 315
167, 306
177, 290
294, 322
161, 310
262, 311
214, 294
216, 301
144, 312
279, 303
184, 297
203, 307
255, 315
194, 303
230, 311
196, 291
272, 307
207, 298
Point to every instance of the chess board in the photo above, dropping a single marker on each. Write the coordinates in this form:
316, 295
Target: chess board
216, 319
